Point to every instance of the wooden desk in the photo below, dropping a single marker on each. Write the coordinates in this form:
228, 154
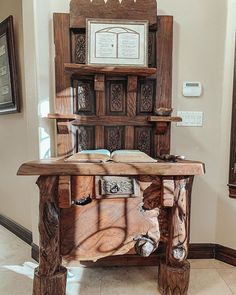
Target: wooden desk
55, 193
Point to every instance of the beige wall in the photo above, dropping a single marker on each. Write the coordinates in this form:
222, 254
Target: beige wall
17, 133
226, 207
202, 52
199, 43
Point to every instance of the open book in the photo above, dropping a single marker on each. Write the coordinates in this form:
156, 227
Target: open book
103, 155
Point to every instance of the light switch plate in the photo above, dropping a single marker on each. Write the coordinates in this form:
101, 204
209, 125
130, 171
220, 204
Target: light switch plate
190, 119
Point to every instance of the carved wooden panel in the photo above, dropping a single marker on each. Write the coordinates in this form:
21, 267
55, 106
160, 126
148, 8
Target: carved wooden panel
116, 97
78, 53
146, 97
144, 140
85, 138
114, 138
84, 97
152, 49
125, 9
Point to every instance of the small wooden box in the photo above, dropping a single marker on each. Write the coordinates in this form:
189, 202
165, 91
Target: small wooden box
116, 187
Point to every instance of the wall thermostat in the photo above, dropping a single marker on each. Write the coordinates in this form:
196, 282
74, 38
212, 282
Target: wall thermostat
192, 89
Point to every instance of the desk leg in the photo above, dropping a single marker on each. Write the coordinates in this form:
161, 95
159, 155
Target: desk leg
174, 271
50, 276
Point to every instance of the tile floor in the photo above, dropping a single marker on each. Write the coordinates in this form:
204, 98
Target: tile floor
208, 277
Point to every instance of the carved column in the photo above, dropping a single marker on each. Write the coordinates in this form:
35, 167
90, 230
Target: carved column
173, 276
50, 276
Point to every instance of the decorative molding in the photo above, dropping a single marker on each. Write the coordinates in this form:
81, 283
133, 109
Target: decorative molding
84, 97
143, 139
79, 48
85, 138
114, 138
225, 254
146, 97
116, 97
17, 229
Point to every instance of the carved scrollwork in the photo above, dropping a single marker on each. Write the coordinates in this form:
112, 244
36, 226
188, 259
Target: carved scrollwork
143, 139
178, 244
117, 97
80, 49
84, 97
85, 138
83, 92
114, 138
146, 98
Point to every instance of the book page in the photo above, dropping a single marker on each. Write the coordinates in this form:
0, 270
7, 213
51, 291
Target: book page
90, 156
131, 156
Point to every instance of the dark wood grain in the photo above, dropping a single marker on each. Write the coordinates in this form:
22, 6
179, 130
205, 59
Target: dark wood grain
177, 249
164, 48
64, 192
65, 142
61, 167
128, 9
111, 121
50, 276
225, 254
62, 55
79, 69
132, 95
173, 281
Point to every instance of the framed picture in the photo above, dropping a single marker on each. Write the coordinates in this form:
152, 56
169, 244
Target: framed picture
117, 42
9, 89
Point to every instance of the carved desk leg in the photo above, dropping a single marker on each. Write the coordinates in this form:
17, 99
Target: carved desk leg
50, 276
173, 275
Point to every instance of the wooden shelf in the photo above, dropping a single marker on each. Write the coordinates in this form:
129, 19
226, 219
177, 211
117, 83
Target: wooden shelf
63, 116
113, 120
81, 69
164, 119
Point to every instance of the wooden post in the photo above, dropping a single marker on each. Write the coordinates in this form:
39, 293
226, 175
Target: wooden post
173, 276
50, 276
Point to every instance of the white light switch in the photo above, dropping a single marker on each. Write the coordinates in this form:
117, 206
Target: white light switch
191, 119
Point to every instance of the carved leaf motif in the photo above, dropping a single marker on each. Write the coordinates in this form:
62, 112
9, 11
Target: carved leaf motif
80, 48
146, 98
114, 138
116, 100
83, 92
85, 138
143, 140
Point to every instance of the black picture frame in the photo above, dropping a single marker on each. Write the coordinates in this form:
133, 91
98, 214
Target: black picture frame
9, 80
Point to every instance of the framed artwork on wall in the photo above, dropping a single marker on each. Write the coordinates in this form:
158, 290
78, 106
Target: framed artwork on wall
9, 83
117, 42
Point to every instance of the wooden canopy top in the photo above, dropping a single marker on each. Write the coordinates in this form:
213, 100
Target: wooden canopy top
127, 9
61, 167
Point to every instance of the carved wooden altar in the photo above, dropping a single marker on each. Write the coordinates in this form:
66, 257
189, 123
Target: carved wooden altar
112, 108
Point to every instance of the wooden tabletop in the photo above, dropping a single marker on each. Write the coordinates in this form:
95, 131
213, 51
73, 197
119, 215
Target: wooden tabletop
60, 167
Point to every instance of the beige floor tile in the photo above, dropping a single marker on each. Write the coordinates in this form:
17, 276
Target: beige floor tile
229, 276
208, 277
12, 283
83, 281
209, 264
12, 249
132, 280
207, 282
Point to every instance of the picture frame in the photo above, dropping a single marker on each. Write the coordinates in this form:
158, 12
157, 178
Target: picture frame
117, 42
9, 82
